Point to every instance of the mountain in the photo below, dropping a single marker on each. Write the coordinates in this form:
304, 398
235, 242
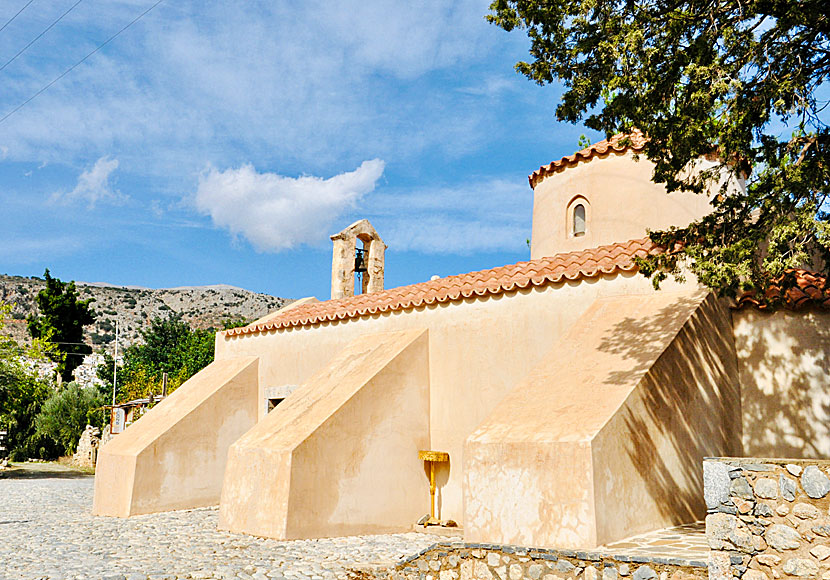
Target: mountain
135, 307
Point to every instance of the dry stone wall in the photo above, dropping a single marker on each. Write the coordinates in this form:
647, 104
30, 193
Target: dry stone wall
768, 518
88, 446
460, 561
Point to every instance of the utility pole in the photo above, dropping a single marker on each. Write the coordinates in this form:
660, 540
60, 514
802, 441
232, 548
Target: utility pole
115, 364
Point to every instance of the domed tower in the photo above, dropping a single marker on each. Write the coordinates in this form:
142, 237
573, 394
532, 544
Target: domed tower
603, 195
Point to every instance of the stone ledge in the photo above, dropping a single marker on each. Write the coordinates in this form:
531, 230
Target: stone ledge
476, 561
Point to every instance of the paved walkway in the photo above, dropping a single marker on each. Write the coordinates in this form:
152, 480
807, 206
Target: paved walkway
47, 532
682, 543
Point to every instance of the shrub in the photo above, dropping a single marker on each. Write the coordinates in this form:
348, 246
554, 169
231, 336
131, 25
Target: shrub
65, 415
22, 393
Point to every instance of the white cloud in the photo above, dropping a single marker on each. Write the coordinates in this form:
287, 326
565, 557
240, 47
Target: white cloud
94, 185
156, 209
485, 215
205, 81
493, 86
275, 212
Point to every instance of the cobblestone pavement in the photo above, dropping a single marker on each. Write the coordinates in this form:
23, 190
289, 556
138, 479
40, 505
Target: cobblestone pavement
47, 532
686, 543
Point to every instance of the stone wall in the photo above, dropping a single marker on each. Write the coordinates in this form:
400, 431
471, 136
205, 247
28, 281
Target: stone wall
464, 561
768, 518
88, 445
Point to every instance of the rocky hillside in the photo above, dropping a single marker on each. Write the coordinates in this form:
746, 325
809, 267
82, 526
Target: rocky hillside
201, 306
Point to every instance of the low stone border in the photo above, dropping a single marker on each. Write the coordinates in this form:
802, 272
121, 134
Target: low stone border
462, 561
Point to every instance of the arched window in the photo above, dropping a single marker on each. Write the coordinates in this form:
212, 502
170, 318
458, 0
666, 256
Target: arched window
579, 220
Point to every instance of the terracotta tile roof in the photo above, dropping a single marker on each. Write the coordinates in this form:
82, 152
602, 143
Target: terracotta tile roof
796, 289
568, 266
636, 141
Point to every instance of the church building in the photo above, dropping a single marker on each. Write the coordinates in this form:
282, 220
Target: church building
558, 402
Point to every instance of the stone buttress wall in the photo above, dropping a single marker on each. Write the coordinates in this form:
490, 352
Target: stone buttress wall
768, 518
604, 438
340, 455
175, 456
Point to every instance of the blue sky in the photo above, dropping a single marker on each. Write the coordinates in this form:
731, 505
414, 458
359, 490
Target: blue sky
223, 142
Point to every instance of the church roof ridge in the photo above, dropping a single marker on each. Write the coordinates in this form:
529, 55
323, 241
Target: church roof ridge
590, 263
635, 140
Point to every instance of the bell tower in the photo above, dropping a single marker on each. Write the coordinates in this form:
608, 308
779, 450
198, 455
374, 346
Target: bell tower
357, 264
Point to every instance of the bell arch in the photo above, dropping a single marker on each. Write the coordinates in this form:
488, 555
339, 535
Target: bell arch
358, 252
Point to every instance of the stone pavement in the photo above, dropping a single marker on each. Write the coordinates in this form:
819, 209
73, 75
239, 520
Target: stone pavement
684, 544
47, 532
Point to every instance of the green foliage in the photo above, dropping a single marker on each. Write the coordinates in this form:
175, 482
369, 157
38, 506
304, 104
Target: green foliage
21, 395
229, 323
736, 78
105, 372
169, 346
65, 415
61, 321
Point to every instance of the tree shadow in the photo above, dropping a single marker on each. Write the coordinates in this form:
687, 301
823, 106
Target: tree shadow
39, 472
784, 368
687, 403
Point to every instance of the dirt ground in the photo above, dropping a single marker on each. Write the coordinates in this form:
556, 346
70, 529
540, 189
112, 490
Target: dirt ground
44, 469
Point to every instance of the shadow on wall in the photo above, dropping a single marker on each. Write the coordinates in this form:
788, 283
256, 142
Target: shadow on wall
442, 476
687, 406
784, 366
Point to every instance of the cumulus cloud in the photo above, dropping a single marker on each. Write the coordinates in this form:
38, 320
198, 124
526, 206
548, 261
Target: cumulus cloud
275, 212
94, 185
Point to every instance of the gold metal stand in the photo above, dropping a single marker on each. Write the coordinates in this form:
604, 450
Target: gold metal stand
432, 457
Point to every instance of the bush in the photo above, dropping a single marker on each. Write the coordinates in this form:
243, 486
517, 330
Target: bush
21, 395
65, 415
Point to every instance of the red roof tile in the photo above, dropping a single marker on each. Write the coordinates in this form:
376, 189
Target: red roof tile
568, 266
796, 289
635, 141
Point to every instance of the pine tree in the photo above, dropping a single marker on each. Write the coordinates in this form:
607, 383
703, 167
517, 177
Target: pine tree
61, 321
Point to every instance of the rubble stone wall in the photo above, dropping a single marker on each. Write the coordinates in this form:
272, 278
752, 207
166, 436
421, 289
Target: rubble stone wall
88, 446
768, 518
460, 561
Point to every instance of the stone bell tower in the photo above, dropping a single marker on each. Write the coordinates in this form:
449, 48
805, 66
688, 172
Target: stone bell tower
351, 259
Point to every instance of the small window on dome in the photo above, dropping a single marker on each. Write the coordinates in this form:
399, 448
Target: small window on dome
579, 220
